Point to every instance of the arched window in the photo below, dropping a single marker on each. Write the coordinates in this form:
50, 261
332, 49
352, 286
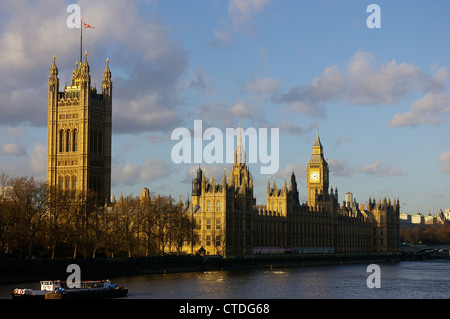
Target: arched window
74, 182
67, 182
218, 206
100, 142
208, 206
91, 141
95, 142
68, 141
75, 140
60, 182
61, 141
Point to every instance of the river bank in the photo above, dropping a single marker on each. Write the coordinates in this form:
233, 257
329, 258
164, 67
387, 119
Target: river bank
18, 271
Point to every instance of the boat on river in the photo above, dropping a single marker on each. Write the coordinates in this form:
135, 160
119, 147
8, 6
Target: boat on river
56, 289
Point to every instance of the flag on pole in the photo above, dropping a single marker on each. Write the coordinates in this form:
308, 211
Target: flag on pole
81, 36
87, 26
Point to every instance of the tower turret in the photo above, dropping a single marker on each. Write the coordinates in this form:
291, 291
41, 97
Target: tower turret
79, 134
107, 84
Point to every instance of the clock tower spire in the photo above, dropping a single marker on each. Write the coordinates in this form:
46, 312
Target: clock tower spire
317, 174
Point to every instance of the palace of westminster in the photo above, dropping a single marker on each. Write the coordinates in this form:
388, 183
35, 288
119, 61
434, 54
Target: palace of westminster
228, 221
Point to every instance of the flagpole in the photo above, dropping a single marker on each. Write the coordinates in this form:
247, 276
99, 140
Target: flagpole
81, 40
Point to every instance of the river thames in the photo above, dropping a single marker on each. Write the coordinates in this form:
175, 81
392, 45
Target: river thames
402, 280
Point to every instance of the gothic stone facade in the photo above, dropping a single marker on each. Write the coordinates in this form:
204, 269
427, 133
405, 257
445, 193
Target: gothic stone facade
229, 223
79, 132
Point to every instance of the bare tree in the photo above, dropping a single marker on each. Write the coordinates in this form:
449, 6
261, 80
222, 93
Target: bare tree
29, 201
57, 211
182, 226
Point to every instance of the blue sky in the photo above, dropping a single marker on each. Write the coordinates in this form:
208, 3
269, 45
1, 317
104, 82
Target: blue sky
379, 96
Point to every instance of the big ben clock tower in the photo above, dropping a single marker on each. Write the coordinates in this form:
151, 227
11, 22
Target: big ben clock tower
317, 173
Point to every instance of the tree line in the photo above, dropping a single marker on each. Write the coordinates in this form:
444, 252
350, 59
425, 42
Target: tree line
45, 222
427, 234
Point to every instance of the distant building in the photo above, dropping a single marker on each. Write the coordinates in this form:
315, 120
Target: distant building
405, 217
417, 219
430, 220
405, 221
447, 214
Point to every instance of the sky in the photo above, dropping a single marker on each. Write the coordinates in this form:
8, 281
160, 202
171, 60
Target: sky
380, 96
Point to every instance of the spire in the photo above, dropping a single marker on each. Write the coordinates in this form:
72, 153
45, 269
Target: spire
317, 143
107, 65
85, 65
85, 58
239, 156
317, 147
54, 69
293, 182
224, 178
107, 84
107, 73
199, 173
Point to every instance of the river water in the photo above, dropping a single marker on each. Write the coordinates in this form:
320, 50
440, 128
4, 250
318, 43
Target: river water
405, 280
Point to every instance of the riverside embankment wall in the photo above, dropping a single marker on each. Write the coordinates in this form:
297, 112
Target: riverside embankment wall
19, 271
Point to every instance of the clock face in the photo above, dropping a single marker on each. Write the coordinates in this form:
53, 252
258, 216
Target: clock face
314, 176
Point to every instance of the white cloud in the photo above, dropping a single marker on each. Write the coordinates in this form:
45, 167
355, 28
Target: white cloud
301, 107
221, 37
145, 113
223, 115
339, 167
438, 80
240, 110
22, 164
380, 170
294, 129
199, 80
431, 109
310, 99
130, 174
298, 169
386, 85
263, 86
12, 149
366, 84
38, 159
241, 13
445, 161
145, 60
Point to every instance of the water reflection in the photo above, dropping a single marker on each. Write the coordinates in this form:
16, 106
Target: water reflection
402, 280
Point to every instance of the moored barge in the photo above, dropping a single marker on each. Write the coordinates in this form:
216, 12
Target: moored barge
56, 289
